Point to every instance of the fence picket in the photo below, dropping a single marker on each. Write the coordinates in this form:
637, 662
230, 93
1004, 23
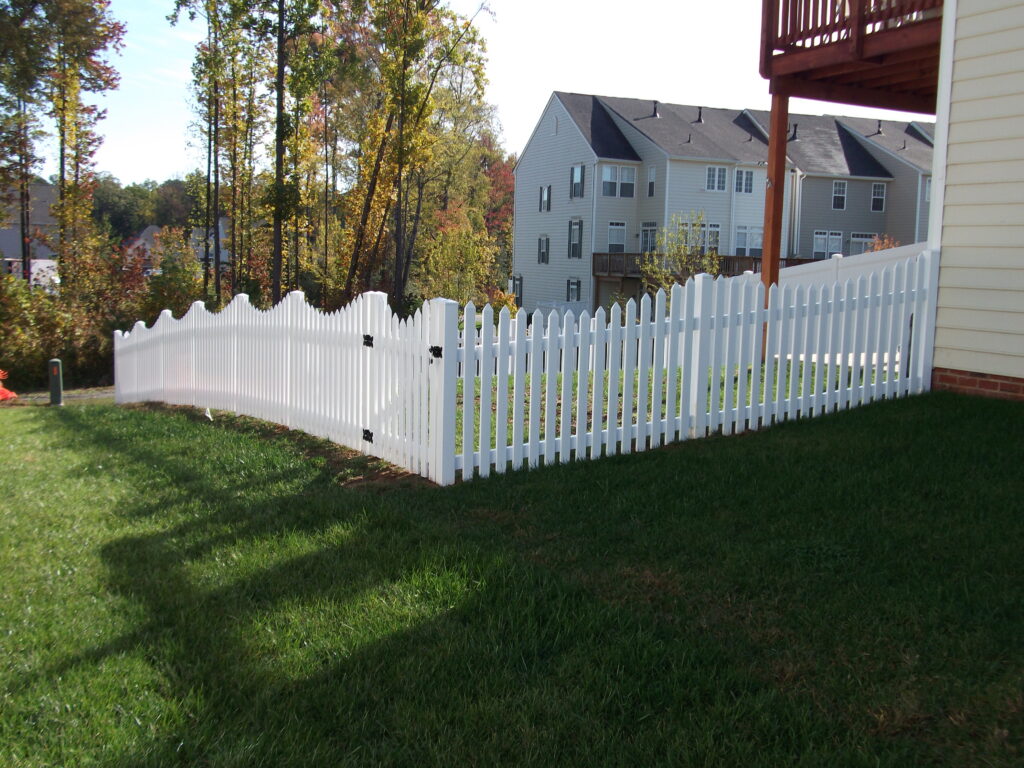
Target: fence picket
501, 401
613, 433
629, 370
597, 430
583, 358
486, 371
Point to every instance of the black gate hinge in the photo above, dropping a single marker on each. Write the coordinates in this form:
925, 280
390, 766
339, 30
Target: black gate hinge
367, 340
367, 435
435, 352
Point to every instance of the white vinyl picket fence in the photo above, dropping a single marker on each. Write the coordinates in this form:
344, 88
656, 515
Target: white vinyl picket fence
503, 393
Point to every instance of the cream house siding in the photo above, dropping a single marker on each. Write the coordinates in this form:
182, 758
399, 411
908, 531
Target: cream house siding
980, 318
547, 158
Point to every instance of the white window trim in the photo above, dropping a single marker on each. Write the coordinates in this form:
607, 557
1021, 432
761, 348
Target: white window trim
632, 170
874, 186
721, 182
844, 195
830, 236
744, 179
619, 226
649, 233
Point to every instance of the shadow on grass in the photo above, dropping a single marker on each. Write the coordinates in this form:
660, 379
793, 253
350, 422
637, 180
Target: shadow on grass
691, 605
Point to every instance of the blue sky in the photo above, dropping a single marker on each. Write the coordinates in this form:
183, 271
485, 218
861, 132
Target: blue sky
679, 51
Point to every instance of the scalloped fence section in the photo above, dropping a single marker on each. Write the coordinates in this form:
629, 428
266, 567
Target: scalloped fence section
448, 394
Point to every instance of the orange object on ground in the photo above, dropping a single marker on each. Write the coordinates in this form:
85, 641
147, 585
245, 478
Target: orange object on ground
6, 394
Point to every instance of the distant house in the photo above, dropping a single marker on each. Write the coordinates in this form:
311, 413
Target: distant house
600, 176
41, 197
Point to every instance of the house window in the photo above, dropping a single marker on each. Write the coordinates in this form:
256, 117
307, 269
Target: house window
651, 173
838, 195
827, 243
576, 239
648, 236
572, 289
616, 236
928, 189
577, 175
860, 242
517, 289
745, 182
878, 198
749, 241
627, 181
610, 180
716, 178
710, 236
545, 198
543, 249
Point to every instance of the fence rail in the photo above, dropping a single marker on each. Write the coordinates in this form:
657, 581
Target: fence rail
508, 393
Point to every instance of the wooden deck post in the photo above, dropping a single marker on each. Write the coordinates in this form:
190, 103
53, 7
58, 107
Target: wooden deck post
773, 212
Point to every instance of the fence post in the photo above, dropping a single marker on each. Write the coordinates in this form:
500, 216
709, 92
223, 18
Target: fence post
925, 351
701, 313
443, 336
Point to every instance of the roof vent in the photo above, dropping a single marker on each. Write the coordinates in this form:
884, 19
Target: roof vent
878, 130
750, 137
700, 115
793, 136
904, 145
656, 113
689, 137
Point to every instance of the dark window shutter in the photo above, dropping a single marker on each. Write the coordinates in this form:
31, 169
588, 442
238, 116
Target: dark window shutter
547, 248
572, 169
568, 283
540, 241
583, 178
549, 197
540, 203
570, 239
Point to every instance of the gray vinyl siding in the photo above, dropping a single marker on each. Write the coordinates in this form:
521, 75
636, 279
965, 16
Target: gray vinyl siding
546, 160
816, 211
922, 220
905, 221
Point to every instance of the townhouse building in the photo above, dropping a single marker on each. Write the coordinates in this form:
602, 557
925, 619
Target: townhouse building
600, 176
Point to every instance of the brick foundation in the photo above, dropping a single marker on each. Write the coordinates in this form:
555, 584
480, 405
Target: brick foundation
983, 384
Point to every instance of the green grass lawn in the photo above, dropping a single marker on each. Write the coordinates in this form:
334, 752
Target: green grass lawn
841, 591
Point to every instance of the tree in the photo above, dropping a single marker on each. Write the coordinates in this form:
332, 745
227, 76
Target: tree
684, 248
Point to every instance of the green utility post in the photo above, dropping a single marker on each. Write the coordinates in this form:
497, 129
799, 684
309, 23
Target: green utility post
56, 382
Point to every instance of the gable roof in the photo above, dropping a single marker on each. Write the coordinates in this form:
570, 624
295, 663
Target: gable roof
597, 127
817, 144
907, 141
822, 145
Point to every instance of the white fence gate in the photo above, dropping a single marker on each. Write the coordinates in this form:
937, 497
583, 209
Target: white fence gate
434, 399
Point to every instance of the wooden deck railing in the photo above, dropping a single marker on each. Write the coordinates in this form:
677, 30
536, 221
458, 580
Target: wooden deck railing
793, 24
628, 264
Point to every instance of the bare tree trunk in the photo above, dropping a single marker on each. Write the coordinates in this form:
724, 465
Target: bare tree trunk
279, 126
360, 233
216, 186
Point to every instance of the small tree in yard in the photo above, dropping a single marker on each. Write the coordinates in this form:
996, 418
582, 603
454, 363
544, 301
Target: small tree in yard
177, 279
683, 250
882, 242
